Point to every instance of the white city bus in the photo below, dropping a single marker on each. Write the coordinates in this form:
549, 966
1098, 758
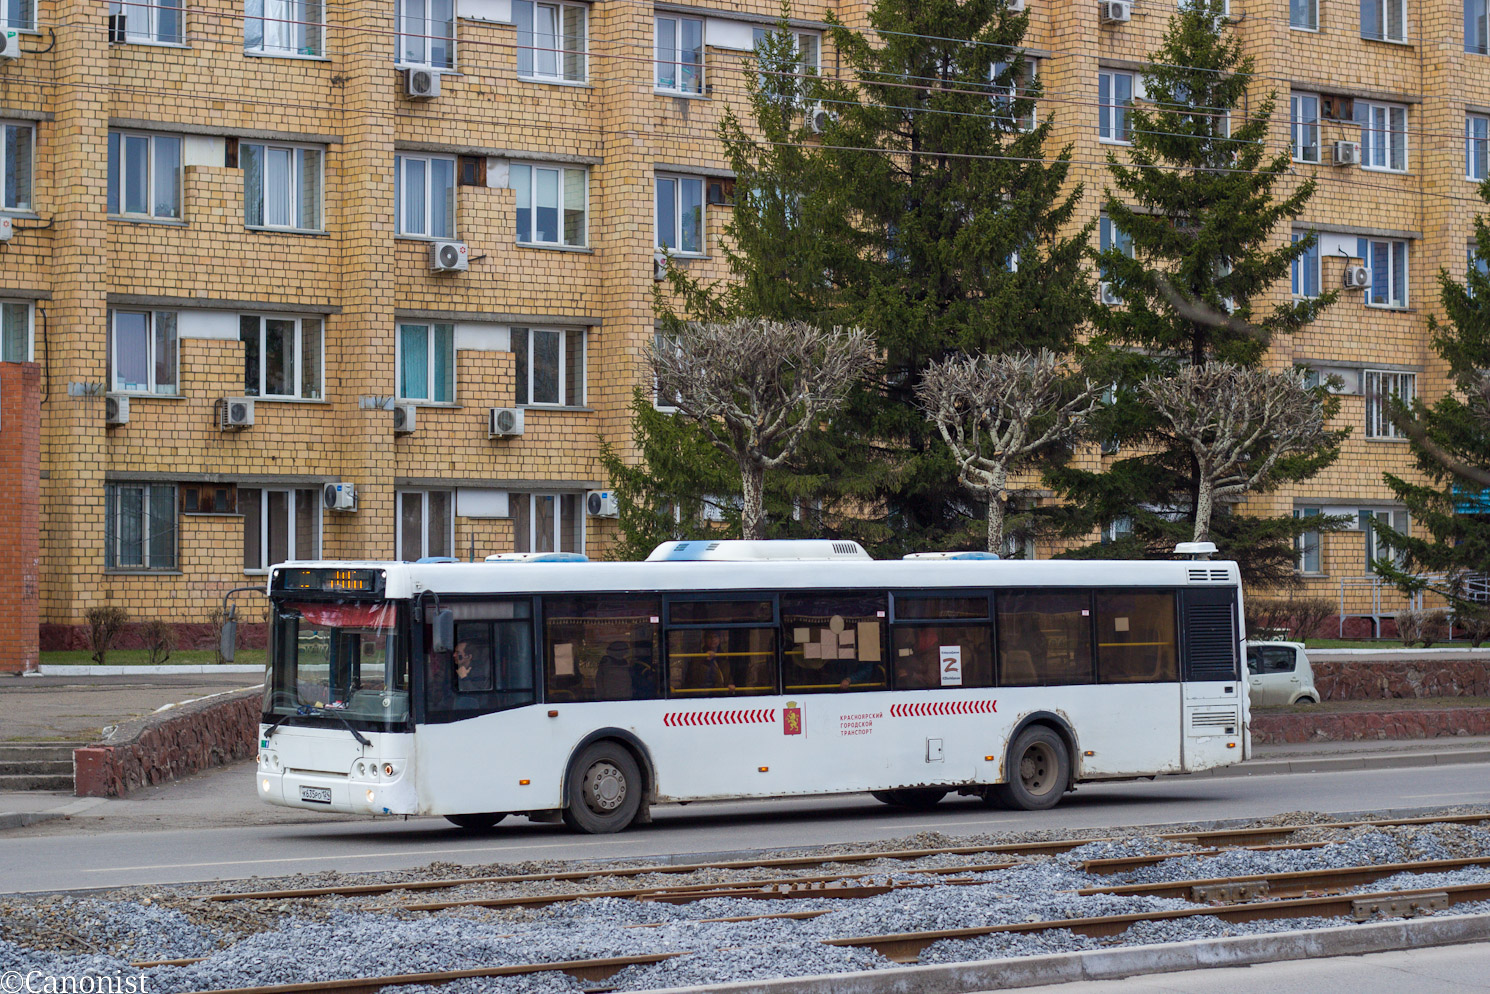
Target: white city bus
591, 691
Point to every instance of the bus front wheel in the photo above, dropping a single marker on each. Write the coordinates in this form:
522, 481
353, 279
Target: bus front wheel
605, 790
477, 822
1038, 770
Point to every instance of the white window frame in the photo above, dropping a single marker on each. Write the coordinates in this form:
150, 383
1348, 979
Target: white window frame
156, 324
1397, 296
530, 540
1111, 111
8, 309
800, 38
1376, 137
1299, 285
1004, 97
402, 195
300, 341
290, 509
431, 329
567, 337
302, 18
1110, 236
25, 23
150, 492
149, 12
1117, 529
9, 176
119, 172
422, 496
673, 84
1299, 127
1475, 24
299, 168
1307, 548
1476, 147
529, 237
1379, 384
425, 36
677, 233
563, 12
1382, 30
1376, 548
1310, 9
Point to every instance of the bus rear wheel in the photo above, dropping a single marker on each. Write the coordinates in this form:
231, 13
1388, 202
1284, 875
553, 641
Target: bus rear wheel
916, 798
605, 790
1038, 770
477, 822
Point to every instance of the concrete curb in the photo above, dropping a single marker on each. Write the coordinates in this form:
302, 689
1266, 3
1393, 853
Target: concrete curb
20, 819
1406, 655
93, 669
1132, 961
1329, 764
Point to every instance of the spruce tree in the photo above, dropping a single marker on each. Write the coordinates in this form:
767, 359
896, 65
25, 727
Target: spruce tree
1194, 196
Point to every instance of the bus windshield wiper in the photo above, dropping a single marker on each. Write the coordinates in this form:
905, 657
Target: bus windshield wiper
306, 709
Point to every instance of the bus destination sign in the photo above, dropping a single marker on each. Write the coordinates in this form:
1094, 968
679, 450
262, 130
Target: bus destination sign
331, 581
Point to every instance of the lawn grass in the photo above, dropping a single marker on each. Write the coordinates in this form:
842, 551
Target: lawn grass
141, 657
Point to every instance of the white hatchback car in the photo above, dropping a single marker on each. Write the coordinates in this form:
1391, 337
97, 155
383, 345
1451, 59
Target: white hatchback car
1279, 673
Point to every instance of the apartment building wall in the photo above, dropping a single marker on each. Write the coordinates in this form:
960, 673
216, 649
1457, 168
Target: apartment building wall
77, 267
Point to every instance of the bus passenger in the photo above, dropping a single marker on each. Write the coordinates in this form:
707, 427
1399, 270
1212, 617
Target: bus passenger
613, 676
712, 669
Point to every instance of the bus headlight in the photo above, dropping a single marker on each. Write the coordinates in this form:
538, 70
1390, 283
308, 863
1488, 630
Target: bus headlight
361, 769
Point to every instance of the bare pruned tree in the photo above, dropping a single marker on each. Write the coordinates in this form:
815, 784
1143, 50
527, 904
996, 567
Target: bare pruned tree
996, 411
756, 386
1238, 423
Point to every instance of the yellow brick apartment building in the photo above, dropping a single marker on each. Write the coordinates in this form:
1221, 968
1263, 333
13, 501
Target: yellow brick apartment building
262, 246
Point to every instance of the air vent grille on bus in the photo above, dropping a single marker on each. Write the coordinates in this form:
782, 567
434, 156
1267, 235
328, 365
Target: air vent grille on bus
846, 549
1214, 721
1208, 576
1210, 642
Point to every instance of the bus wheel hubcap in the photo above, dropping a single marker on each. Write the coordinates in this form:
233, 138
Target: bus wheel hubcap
605, 787
1037, 769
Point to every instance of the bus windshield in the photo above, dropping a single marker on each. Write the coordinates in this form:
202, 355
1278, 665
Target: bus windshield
343, 661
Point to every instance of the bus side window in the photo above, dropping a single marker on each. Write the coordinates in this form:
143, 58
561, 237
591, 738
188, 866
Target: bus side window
721, 648
1044, 638
473, 649
601, 647
489, 669
941, 642
833, 642
1137, 638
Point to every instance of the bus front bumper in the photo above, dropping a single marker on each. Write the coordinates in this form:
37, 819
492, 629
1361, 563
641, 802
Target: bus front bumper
347, 795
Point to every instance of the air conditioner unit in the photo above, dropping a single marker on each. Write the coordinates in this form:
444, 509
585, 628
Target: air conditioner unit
602, 504
235, 413
339, 497
10, 45
116, 410
1357, 277
449, 257
505, 422
1107, 294
1115, 11
819, 119
7, 228
659, 269
1347, 153
1016, 5
421, 84
405, 419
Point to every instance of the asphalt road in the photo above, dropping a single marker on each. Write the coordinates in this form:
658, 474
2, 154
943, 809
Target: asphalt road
179, 842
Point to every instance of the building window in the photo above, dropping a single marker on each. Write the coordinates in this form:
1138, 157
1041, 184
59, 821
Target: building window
142, 352
1114, 97
18, 15
1476, 37
426, 362
547, 522
680, 54
281, 356
1388, 263
16, 162
552, 204
1307, 543
1306, 268
144, 175
1304, 118
424, 195
279, 525
1381, 389
680, 214
550, 366
1016, 86
1116, 530
284, 27
281, 186
1303, 14
15, 331
552, 40
1384, 20
140, 526
426, 524
426, 33
1383, 136
1112, 238
1476, 144
154, 22
1376, 545
809, 60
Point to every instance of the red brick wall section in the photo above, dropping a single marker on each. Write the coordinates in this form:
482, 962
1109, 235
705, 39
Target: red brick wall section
172, 744
1369, 726
20, 521
1347, 680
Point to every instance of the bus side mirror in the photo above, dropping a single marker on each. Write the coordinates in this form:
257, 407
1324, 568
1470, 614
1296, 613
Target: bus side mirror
229, 640
444, 634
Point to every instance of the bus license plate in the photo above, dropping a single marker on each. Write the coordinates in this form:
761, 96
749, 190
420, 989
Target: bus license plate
320, 795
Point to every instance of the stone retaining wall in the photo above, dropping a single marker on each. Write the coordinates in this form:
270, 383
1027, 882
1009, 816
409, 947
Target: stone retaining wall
1354, 680
1369, 726
211, 732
